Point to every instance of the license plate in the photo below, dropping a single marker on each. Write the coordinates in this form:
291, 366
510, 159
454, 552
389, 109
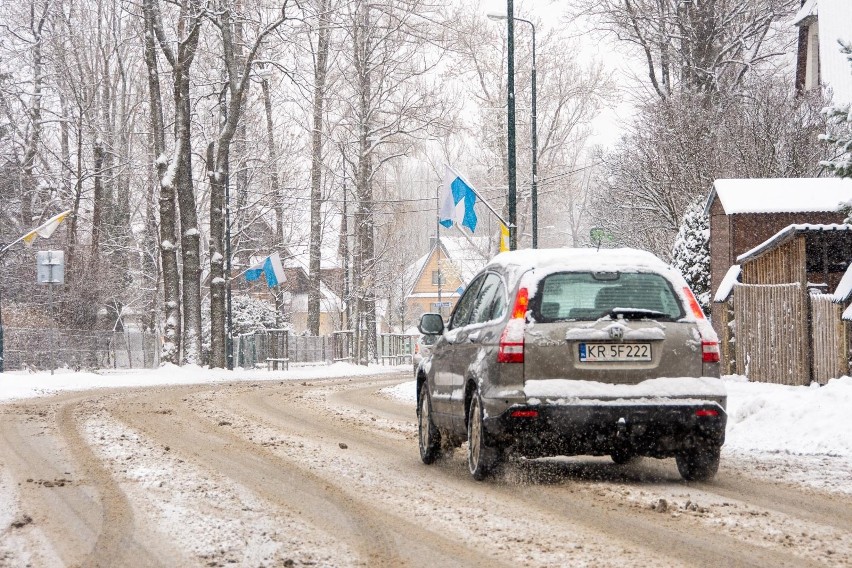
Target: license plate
605, 352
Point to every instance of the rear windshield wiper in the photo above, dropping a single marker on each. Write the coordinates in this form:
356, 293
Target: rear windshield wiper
637, 313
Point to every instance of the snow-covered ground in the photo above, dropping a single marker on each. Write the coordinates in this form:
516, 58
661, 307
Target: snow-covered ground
21, 384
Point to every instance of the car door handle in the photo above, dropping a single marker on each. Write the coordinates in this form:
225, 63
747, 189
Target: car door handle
473, 336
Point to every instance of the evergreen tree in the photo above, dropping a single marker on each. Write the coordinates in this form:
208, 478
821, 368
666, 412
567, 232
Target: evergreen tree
691, 253
840, 131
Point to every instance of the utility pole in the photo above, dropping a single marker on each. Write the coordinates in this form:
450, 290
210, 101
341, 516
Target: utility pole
438, 247
513, 222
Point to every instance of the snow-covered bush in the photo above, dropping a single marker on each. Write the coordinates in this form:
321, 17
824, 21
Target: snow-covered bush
691, 253
250, 314
840, 131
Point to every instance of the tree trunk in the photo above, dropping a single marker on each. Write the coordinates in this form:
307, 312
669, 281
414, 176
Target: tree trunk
190, 237
218, 178
274, 183
167, 237
314, 265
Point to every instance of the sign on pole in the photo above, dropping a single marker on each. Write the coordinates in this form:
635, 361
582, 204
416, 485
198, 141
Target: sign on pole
50, 266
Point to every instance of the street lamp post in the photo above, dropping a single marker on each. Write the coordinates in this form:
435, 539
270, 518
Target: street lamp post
534, 133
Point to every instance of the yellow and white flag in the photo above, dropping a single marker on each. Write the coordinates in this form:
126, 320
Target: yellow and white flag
46, 229
504, 238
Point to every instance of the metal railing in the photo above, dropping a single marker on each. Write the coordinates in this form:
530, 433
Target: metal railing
42, 349
395, 348
277, 348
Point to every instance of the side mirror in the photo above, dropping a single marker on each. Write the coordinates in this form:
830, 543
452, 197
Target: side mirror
431, 324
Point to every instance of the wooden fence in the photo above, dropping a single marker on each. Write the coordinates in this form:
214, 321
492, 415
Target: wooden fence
772, 343
829, 339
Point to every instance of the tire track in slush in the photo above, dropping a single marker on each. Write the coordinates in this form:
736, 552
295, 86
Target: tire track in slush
116, 544
833, 510
379, 540
87, 520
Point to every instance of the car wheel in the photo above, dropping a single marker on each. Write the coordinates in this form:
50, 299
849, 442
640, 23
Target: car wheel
698, 464
482, 459
429, 435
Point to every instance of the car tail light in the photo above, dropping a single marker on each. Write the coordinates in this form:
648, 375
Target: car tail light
522, 302
706, 412
511, 348
710, 351
524, 414
693, 303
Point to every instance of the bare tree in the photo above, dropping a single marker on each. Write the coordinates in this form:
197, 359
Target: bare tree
705, 46
675, 150
237, 72
392, 104
323, 33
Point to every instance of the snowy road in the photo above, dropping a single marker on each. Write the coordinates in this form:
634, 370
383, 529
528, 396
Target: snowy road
326, 473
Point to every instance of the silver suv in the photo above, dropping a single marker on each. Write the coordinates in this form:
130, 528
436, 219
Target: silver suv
574, 352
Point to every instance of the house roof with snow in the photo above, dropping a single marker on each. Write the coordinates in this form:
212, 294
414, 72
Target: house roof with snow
727, 285
467, 254
780, 195
787, 233
844, 288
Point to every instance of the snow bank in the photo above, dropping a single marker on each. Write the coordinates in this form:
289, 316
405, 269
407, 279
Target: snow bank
793, 420
21, 384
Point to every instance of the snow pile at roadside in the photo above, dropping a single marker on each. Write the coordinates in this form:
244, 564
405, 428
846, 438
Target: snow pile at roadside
22, 384
801, 420
768, 418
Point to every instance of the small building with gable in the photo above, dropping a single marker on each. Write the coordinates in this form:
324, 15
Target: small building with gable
436, 280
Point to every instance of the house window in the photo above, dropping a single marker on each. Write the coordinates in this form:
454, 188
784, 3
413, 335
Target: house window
437, 278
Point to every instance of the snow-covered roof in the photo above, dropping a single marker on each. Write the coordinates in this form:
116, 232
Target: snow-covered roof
847, 314
844, 287
808, 9
780, 195
788, 233
413, 271
727, 285
467, 254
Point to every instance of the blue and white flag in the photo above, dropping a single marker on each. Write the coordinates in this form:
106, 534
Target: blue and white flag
456, 201
270, 268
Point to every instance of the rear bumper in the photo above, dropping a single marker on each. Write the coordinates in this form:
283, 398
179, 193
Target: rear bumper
656, 429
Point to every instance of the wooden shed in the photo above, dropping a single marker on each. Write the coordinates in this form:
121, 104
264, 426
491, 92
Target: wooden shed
786, 308
746, 213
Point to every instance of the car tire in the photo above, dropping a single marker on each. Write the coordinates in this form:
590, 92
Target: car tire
699, 463
623, 457
482, 458
428, 434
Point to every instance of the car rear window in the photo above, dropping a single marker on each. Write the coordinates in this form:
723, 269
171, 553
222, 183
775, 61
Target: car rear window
590, 296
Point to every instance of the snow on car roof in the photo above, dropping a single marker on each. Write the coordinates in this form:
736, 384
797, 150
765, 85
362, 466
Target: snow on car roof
780, 195
580, 259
